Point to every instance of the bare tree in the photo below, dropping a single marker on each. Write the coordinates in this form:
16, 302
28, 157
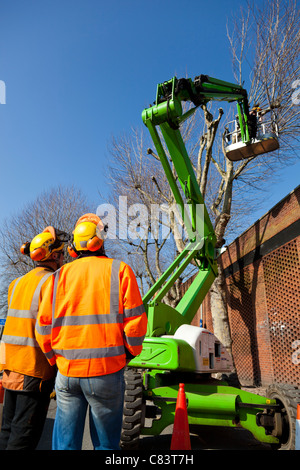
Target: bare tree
59, 207
265, 42
139, 177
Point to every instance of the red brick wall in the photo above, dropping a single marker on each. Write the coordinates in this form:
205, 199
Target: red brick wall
263, 294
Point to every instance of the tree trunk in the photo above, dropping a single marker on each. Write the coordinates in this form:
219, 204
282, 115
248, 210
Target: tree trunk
219, 308
219, 311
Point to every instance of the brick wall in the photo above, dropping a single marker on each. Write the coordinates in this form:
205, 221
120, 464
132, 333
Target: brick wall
262, 271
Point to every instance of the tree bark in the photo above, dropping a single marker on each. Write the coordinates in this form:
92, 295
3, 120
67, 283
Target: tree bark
219, 311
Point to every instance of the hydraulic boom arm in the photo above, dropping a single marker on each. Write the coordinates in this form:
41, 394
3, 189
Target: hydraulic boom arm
167, 114
174, 351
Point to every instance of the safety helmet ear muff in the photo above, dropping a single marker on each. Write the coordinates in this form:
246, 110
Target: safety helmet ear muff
25, 248
72, 250
43, 244
88, 235
94, 244
39, 254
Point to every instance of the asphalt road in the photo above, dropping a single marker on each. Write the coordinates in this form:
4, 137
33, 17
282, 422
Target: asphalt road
205, 438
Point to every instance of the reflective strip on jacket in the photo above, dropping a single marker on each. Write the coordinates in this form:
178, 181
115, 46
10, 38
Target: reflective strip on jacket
91, 313
20, 351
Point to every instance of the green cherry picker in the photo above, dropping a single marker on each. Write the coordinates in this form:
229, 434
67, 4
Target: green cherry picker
174, 351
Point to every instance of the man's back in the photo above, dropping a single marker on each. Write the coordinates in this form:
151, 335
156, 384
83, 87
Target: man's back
97, 313
21, 352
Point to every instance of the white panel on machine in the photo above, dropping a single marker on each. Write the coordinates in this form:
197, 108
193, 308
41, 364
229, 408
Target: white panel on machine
210, 355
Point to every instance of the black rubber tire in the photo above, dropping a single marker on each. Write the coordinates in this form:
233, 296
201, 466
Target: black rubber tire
133, 412
288, 396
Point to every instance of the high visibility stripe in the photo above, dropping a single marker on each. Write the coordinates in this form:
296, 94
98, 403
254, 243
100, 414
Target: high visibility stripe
20, 340
114, 287
49, 355
43, 329
134, 340
14, 288
56, 278
80, 320
91, 353
13, 312
36, 296
134, 312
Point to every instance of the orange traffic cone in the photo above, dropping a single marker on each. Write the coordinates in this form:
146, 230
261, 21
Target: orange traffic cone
181, 433
297, 439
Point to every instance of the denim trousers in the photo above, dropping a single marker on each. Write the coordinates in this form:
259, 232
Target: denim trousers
104, 396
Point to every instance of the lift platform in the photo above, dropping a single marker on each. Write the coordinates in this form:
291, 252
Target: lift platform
265, 141
175, 351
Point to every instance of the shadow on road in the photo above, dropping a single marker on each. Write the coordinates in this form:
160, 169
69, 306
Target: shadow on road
202, 438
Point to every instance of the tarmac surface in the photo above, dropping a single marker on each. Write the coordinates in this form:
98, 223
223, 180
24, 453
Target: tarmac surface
202, 438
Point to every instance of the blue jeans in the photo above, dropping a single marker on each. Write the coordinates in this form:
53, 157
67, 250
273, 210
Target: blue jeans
104, 395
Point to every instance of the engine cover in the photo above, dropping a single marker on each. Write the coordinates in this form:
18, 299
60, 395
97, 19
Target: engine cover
209, 354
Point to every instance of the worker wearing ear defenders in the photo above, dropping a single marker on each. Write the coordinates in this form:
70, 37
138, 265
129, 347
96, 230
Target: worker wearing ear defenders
28, 378
91, 321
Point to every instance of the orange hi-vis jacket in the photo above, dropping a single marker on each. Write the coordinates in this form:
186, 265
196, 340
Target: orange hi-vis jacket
20, 352
90, 314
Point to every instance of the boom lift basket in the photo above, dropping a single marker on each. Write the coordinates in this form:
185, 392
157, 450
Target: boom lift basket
265, 141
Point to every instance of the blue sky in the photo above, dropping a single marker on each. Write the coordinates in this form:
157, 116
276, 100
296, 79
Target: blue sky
79, 71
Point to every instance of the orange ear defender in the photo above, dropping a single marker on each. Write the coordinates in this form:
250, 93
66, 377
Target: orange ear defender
72, 251
38, 254
25, 248
94, 244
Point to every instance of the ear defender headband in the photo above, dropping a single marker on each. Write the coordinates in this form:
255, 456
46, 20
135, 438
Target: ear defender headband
72, 250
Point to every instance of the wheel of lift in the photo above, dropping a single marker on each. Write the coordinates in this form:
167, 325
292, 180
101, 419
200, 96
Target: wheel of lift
133, 411
288, 396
